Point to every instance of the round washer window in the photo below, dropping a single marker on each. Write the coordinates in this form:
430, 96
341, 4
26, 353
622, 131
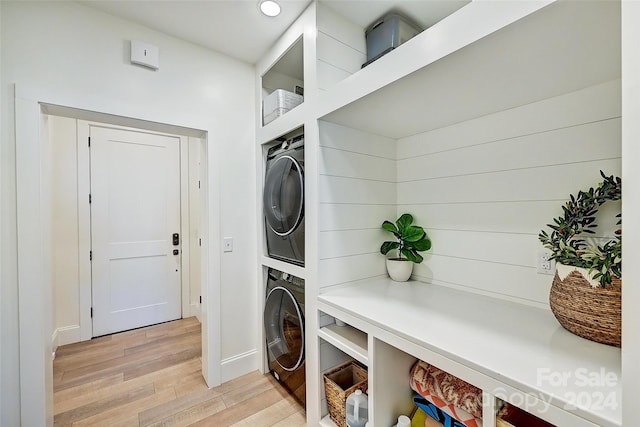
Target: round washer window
284, 329
284, 195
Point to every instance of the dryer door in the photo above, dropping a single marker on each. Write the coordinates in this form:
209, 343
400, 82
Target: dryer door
284, 329
283, 196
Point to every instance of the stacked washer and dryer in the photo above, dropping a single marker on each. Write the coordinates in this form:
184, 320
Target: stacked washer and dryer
283, 207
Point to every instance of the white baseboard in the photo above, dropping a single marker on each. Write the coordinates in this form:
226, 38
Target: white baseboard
68, 335
54, 343
194, 310
236, 366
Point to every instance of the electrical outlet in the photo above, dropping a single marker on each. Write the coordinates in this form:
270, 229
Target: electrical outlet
544, 264
227, 244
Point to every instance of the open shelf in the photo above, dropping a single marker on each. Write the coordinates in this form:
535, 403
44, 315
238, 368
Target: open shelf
505, 342
341, 46
285, 267
327, 422
287, 75
288, 71
282, 125
476, 62
348, 339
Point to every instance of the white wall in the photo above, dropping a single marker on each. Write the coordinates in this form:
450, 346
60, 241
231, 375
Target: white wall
341, 47
2, 97
357, 193
66, 277
631, 209
194, 226
485, 188
77, 56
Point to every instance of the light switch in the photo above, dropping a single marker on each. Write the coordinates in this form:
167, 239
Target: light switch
227, 244
144, 54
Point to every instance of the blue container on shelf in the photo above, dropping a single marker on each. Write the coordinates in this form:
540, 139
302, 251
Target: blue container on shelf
387, 33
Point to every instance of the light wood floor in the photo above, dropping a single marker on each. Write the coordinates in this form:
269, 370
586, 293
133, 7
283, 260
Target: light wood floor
152, 377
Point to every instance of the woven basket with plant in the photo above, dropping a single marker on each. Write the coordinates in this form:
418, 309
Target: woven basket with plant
586, 291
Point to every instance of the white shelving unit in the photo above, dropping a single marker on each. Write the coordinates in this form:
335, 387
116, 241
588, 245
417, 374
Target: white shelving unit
326, 421
296, 270
347, 339
482, 58
435, 87
283, 125
507, 349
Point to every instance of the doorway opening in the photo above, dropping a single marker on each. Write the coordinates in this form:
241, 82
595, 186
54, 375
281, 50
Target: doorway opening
126, 227
35, 247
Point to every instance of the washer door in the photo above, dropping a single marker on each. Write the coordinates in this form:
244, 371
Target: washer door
283, 196
284, 329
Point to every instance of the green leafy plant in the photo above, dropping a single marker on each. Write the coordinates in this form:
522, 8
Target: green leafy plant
411, 239
603, 261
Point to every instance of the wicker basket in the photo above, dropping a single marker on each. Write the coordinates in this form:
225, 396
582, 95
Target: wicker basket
591, 313
339, 383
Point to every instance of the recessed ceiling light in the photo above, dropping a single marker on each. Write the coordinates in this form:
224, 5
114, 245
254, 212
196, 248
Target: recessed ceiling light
270, 8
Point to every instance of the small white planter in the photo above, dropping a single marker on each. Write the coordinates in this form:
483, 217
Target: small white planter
399, 269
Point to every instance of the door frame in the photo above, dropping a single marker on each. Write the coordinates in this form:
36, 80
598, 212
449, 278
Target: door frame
84, 221
34, 252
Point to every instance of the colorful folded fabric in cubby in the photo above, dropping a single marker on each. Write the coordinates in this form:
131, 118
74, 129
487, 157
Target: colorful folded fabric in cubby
421, 419
446, 398
445, 415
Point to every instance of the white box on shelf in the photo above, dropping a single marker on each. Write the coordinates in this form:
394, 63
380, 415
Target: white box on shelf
278, 103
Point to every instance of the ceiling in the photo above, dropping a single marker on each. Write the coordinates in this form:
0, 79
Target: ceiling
238, 29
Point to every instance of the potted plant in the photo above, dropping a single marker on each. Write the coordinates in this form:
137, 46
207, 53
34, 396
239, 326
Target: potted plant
586, 291
410, 239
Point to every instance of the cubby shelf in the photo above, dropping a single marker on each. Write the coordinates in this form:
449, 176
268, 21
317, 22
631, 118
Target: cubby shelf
486, 57
327, 422
493, 343
282, 125
348, 339
286, 267
461, 29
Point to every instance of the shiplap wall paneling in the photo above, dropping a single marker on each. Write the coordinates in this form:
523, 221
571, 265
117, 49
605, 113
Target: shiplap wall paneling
484, 188
591, 104
341, 47
357, 192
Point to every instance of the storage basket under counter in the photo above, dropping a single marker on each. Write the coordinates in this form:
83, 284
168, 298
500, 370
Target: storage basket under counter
339, 383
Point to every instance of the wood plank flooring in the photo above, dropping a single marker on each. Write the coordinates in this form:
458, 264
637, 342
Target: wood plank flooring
152, 377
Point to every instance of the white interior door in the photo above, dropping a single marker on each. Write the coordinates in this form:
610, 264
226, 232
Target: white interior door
135, 210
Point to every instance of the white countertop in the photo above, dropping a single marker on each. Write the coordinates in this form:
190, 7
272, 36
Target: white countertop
518, 345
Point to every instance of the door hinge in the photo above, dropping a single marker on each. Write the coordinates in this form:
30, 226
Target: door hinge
92, 312
90, 255
89, 138
199, 242
89, 197
200, 299
198, 183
